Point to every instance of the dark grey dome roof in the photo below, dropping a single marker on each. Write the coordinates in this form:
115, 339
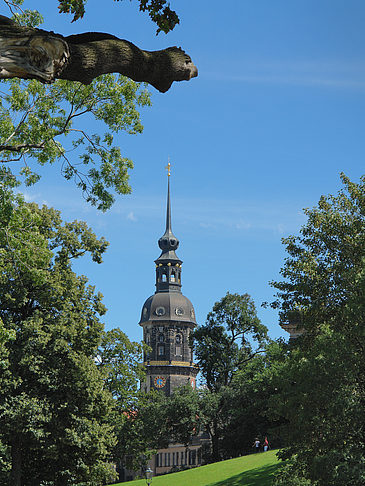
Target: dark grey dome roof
168, 306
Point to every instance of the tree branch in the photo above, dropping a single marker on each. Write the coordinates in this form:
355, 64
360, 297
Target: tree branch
21, 147
30, 53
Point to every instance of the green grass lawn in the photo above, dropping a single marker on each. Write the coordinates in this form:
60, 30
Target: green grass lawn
253, 470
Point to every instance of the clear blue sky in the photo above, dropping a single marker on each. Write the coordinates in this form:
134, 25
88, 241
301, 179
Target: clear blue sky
276, 113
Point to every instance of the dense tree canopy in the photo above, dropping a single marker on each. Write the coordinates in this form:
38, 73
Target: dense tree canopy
321, 385
54, 406
231, 337
120, 359
321, 272
153, 422
246, 406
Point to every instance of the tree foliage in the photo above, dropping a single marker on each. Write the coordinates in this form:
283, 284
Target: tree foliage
246, 407
71, 125
54, 408
321, 385
158, 10
120, 359
44, 124
155, 421
321, 399
231, 337
324, 263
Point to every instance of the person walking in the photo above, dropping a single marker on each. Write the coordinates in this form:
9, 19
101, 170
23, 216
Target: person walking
256, 445
266, 445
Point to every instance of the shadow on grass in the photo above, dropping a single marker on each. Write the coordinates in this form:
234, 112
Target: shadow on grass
261, 476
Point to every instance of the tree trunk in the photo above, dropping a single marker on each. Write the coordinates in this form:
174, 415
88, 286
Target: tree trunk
215, 443
30, 53
16, 464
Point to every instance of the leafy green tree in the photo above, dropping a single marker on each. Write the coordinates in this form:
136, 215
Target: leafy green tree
321, 400
231, 337
155, 421
5, 335
246, 405
42, 125
182, 411
140, 431
54, 408
120, 359
320, 385
324, 263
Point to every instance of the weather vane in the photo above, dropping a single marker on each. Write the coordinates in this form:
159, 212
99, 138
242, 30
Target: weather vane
168, 167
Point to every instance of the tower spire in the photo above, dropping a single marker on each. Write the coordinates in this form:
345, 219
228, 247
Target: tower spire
168, 209
168, 265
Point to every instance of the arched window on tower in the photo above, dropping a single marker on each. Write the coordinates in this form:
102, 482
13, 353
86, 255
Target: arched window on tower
164, 278
161, 350
172, 278
161, 338
178, 347
148, 342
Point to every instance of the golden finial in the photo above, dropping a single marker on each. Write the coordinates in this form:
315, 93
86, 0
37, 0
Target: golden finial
168, 167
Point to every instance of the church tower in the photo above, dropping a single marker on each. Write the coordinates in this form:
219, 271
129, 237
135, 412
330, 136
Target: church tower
167, 319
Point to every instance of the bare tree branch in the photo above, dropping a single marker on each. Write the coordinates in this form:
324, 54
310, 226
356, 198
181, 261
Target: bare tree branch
30, 53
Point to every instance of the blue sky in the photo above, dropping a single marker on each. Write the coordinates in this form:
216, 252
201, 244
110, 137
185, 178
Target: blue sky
276, 113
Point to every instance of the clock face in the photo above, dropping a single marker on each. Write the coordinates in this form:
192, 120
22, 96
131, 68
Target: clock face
159, 382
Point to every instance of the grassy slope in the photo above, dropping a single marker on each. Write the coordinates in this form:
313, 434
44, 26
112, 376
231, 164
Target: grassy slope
252, 470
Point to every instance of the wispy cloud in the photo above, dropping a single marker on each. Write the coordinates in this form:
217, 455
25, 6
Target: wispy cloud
339, 74
131, 216
207, 225
232, 216
29, 197
243, 225
299, 81
211, 215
